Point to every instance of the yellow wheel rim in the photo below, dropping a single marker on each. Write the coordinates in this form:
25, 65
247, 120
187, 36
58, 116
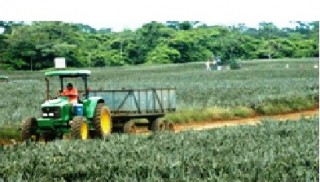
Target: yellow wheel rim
84, 131
105, 122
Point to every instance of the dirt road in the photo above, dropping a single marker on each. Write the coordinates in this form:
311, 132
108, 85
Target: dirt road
248, 121
215, 124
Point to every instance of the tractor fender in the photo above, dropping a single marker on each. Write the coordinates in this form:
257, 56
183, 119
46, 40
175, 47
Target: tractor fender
90, 106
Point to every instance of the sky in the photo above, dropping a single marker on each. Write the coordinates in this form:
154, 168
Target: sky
132, 14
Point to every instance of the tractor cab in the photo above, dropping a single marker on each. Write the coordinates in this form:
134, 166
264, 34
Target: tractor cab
67, 78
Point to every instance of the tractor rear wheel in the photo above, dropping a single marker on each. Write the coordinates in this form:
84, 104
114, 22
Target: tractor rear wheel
102, 121
28, 129
79, 128
158, 125
129, 127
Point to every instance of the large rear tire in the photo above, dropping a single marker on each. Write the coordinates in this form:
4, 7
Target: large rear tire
28, 129
129, 127
79, 128
102, 121
158, 125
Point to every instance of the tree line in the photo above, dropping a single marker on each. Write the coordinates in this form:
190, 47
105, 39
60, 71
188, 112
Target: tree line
35, 45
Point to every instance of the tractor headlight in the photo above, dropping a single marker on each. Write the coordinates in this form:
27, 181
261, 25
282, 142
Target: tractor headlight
51, 112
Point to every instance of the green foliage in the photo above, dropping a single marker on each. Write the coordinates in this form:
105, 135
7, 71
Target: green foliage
285, 105
189, 46
162, 54
33, 47
235, 64
272, 151
9, 132
243, 112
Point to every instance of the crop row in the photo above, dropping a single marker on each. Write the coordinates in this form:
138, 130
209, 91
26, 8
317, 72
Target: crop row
272, 151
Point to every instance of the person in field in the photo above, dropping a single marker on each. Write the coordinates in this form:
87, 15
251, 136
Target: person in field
208, 65
71, 92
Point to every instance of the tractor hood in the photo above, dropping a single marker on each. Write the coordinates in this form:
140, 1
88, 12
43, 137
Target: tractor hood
55, 112
61, 101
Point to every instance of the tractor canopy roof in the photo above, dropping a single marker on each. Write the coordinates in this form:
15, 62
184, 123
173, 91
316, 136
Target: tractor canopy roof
68, 73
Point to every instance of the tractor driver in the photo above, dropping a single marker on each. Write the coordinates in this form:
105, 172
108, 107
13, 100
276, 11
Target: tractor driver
71, 92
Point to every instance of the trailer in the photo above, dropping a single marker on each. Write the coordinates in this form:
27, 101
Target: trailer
151, 104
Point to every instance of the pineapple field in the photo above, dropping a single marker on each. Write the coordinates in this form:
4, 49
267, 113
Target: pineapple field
271, 151
260, 87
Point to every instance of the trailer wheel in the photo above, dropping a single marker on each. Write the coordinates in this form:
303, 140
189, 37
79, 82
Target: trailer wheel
158, 125
129, 127
102, 121
169, 125
79, 128
28, 129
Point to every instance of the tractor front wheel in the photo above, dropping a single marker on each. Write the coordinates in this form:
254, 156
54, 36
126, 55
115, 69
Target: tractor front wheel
102, 121
28, 129
79, 128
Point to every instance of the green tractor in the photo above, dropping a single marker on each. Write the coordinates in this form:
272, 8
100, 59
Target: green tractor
89, 116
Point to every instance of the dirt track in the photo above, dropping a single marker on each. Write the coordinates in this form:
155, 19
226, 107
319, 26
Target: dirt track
248, 121
215, 124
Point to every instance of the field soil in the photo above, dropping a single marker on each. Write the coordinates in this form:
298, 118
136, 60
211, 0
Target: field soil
248, 121
204, 125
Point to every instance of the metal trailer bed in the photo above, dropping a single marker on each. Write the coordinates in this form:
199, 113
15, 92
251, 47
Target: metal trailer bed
128, 104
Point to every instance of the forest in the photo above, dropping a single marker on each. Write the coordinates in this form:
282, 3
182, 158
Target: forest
33, 46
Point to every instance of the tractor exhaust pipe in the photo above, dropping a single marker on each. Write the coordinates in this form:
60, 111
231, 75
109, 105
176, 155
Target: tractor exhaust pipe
47, 91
